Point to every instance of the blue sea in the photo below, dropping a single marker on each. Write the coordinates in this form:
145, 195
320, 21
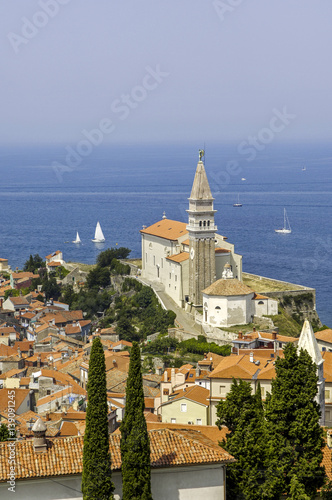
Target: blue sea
45, 198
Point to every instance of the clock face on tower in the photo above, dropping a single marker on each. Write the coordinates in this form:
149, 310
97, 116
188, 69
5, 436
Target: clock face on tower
192, 253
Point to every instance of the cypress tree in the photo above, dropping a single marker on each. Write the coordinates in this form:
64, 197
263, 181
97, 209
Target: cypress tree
135, 443
295, 436
242, 413
97, 475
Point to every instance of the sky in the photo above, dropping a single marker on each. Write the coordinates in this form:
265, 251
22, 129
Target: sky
153, 71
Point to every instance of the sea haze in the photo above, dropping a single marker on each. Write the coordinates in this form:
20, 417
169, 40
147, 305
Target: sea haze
125, 187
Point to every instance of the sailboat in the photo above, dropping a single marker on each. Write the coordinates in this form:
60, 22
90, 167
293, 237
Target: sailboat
238, 204
78, 239
286, 229
99, 236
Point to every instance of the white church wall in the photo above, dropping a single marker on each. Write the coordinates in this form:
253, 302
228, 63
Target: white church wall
227, 311
221, 260
265, 307
155, 250
239, 310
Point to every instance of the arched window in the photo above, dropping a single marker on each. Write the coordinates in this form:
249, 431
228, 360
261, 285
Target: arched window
204, 223
260, 302
217, 307
208, 223
200, 223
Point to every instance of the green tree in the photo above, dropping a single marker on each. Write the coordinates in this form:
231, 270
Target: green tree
99, 277
4, 433
295, 436
34, 263
51, 288
297, 491
242, 413
97, 475
135, 443
105, 258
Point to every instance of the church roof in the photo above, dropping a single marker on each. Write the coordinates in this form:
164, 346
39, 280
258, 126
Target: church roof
308, 342
201, 189
179, 257
228, 287
166, 228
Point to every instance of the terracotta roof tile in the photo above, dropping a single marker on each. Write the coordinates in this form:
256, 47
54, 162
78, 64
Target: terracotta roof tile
325, 335
64, 455
179, 257
227, 287
168, 229
196, 393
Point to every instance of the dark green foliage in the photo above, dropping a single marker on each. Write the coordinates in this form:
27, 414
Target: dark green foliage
126, 330
135, 443
50, 288
242, 413
99, 277
118, 268
295, 436
105, 258
33, 264
145, 297
161, 345
193, 345
4, 433
92, 302
96, 478
131, 284
11, 293
297, 491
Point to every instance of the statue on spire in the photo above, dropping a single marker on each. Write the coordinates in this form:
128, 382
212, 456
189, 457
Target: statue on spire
201, 153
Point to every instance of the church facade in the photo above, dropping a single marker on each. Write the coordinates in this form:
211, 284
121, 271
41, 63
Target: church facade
187, 258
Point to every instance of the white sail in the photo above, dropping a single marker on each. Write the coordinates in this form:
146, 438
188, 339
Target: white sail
78, 239
99, 236
286, 229
238, 204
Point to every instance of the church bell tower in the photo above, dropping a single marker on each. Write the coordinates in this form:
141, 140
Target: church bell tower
201, 229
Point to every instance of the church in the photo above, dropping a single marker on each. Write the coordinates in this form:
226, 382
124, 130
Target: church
198, 267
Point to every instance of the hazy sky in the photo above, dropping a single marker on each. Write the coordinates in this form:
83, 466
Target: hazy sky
159, 71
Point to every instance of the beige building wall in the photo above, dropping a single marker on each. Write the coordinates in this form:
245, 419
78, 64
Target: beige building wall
227, 311
183, 411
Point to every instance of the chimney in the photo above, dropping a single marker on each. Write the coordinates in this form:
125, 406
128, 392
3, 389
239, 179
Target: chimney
39, 436
47, 417
165, 376
240, 335
274, 335
198, 371
38, 361
251, 357
173, 377
30, 352
19, 353
254, 330
329, 438
76, 353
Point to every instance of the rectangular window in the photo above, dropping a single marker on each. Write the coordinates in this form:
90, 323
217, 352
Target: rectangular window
263, 392
198, 421
222, 390
327, 394
154, 260
323, 348
162, 263
170, 275
146, 257
166, 392
183, 406
173, 420
176, 278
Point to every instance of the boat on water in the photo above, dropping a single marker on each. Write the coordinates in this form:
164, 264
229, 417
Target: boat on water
78, 239
286, 229
243, 179
304, 169
238, 204
99, 235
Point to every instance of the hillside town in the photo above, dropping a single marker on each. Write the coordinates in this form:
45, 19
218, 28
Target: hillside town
187, 372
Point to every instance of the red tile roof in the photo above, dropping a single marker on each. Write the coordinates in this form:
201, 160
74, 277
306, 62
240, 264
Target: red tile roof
63, 457
168, 229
